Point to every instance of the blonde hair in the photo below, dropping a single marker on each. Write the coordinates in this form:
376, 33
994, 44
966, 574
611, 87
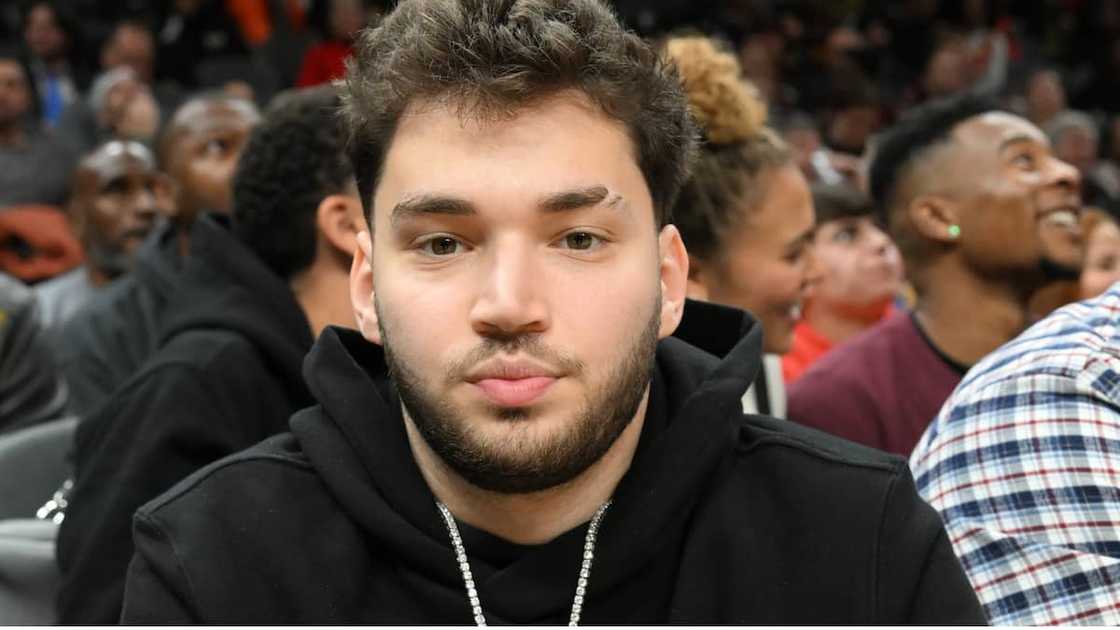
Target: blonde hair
738, 150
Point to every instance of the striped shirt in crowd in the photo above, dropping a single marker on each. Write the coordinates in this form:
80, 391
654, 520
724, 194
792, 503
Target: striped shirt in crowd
1023, 463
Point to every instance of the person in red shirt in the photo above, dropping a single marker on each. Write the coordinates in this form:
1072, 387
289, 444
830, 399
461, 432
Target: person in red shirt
326, 61
861, 273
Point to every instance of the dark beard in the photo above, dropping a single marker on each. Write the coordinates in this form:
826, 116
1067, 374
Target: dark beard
596, 426
1053, 270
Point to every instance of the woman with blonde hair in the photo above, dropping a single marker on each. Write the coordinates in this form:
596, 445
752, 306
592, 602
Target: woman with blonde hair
746, 216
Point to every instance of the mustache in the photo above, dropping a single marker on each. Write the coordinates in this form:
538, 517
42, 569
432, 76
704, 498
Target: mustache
526, 345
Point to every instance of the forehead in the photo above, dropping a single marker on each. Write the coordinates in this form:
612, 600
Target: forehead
118, 159
561, 142
203, 118
992, 130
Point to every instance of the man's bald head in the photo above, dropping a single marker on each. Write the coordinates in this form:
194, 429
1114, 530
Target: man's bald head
199, 148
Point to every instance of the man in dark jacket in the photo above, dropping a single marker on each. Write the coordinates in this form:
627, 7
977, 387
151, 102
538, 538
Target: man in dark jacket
243, 315
506, 440
110, 337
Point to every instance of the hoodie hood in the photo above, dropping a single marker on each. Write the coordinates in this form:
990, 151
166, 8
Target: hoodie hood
225, 286
356, 441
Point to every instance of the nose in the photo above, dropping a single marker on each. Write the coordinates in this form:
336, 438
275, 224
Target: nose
811, 271
1066, 175
144, 206
878, 240
511, 299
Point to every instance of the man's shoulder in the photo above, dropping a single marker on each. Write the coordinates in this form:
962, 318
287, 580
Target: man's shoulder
810, 452
269, 475
847, 364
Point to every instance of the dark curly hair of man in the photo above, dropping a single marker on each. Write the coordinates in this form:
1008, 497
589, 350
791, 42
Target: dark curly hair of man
293, 160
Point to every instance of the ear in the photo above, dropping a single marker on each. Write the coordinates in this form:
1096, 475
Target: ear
697, 280
361, 288
674, 279
339, 219
934, 217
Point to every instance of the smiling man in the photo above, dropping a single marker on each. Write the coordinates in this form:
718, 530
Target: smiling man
984, 216
119, 195
530, 425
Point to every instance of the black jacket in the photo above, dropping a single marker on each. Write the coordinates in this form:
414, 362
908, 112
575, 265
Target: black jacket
226, 376
110, 337
720, 519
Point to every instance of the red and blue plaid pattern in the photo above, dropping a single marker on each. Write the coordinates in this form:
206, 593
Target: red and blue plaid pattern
1023, 463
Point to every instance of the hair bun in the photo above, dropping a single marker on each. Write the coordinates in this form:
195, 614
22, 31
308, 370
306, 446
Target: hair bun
724, 103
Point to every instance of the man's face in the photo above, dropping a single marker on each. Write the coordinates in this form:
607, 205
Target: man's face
118, 196
43, 35
768, 265
518, 276
209, 141
859, 264
1019, 204
132, 47
15, 98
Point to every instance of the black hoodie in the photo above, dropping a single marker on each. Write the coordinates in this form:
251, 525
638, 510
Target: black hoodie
720, 519
226, 376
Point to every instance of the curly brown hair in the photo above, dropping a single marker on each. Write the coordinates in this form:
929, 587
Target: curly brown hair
491, 58
739, 149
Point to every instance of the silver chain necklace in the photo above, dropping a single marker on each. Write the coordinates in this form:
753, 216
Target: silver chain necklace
468, 579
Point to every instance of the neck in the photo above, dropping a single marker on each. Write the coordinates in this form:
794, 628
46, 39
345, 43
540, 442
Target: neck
534, 518
317, 291
967, 317
840, 323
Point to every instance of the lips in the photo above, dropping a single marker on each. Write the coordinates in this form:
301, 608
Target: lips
514, 392
1065, 217
512, 383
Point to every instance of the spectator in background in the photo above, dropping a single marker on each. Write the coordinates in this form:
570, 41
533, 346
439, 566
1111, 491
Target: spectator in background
34, 165
116, 332
1045, 96
984, 216
55, 49
746, 216
1076, 140
326, 61
131, 45
31, 390
227, 375
860, 276
1102, 253
119, 195
122, 103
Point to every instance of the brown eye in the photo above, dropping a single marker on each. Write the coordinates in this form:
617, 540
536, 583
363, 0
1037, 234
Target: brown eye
442, 246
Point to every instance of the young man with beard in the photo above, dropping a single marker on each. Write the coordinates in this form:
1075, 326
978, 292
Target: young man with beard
513, 436
119, 195
110, 337
245, 311
984, 216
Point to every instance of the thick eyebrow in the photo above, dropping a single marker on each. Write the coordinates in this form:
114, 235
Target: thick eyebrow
577, 199
559, 202
429, 204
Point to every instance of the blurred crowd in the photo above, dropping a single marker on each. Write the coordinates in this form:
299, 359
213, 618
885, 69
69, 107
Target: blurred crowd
124, 129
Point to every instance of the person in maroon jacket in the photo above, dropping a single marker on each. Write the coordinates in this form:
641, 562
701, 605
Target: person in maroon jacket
984, 216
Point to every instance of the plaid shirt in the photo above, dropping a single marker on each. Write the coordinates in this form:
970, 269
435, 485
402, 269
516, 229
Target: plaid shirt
1023, 463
